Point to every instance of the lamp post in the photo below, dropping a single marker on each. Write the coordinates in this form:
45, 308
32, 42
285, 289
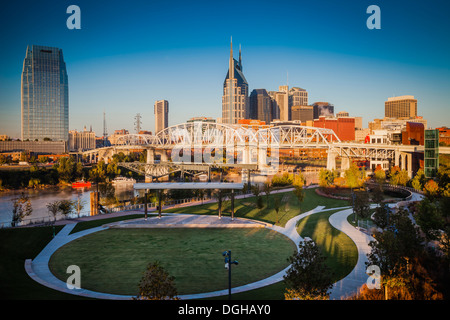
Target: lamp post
228, 263
353, 206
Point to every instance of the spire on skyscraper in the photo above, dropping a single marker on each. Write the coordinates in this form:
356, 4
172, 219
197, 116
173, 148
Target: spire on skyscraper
231, 64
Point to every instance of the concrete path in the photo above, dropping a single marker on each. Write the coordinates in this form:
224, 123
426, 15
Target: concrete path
38, 268
357, 277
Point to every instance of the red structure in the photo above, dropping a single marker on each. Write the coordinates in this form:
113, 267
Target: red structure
344, 127
413, 134
444, 135
81, 184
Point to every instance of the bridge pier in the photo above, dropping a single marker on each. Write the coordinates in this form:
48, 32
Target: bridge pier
262, 158
150, 156
345, 164
331, 160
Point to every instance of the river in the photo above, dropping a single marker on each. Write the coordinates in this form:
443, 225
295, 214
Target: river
41, 197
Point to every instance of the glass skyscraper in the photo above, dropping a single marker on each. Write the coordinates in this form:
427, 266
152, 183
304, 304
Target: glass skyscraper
45, 95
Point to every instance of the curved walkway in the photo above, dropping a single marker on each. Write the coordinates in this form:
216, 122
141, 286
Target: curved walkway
38, 268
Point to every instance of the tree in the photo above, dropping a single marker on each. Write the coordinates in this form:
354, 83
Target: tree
308, 277
419, 180
326, 178
53, 208
267, 187
398, 177
361, 204
98, 173
379, 175
66, 207
65, 168
277, 206
21, 209
430, 219
377, 195
256, 190
354, 178
298, 183
431, 189
396, 243
79, 205
157, 284
381, 216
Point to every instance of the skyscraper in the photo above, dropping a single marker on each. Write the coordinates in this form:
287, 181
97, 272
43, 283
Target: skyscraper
280, 103
161, 115
235, 92
44, 95
400, 107
298, 97
260, 105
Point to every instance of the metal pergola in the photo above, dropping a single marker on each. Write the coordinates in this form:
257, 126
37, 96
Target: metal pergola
160, 186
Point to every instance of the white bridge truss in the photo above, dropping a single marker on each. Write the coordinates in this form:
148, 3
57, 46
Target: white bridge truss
251, 146
215, 135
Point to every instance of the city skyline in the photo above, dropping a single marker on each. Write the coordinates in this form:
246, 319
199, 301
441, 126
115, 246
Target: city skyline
337, 60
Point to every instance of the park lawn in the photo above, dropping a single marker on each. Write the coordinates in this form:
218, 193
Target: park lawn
17, 245
84, 225
113, 260
247, 208
340, 250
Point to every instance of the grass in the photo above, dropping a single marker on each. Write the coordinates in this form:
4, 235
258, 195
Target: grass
246, 207
84, 225
340, 250
113, 260
17, 245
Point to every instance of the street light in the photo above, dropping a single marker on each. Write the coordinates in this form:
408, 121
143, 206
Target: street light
353, 206
228, 263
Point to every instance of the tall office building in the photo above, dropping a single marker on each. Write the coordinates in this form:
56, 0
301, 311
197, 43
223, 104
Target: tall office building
400, 107
298, 97
161, 115
44, 95
235, 92
280, 103
260, 105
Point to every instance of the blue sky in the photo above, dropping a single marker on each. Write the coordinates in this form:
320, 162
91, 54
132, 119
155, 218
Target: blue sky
130, 53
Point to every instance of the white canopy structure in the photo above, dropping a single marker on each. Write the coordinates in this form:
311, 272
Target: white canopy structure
187, 185
160, 186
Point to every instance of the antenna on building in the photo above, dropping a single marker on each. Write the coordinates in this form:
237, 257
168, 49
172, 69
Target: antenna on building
137, 123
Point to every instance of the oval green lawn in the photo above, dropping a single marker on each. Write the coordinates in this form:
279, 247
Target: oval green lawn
113, 260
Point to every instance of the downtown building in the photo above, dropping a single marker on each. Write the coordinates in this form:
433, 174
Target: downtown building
44, 95
235, 100
298, 97
260, 106
161, 109
81, 140
400, 107
284, 100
